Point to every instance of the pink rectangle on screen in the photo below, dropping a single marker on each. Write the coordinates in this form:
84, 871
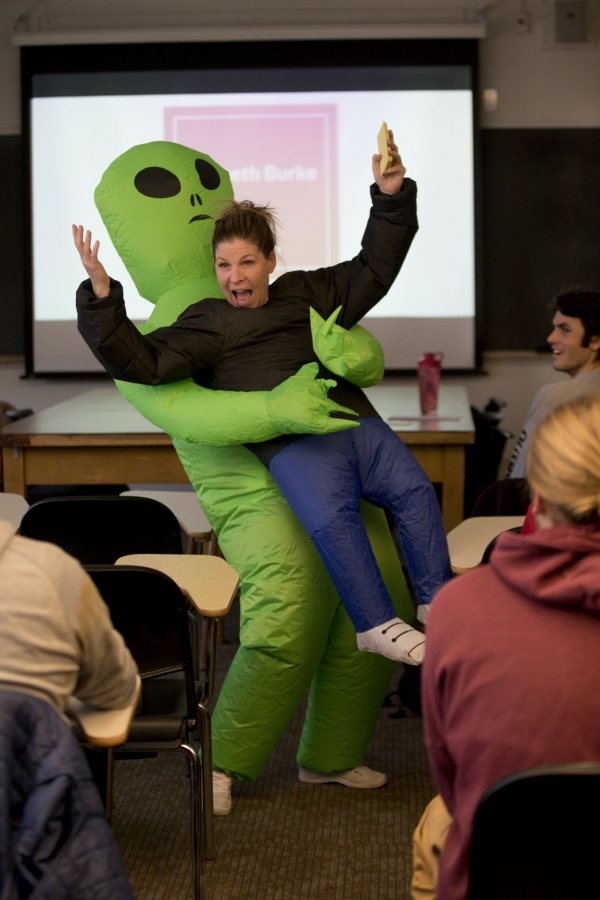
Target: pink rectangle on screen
283, 156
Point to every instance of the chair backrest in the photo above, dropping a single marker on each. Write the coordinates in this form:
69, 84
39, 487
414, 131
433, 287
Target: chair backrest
483, 457
151, 612
505, 497
536, 836
485, 558
99, 529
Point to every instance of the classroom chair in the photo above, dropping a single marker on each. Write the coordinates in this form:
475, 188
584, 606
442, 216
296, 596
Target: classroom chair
535, 835
191, 517
99, 528
151, 612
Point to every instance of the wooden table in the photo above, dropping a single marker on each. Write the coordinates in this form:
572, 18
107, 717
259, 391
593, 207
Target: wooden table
99, 438
96, 437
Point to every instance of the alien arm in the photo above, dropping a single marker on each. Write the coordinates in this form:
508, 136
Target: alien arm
192, 413
140, 363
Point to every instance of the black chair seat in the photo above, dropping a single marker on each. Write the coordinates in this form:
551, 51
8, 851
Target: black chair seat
151, 730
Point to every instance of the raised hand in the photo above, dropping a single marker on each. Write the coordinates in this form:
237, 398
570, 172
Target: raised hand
88, 253
390, 181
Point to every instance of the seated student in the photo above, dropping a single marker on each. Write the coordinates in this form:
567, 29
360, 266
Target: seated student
255, 338
56, 636
56, 641
511, 678
575, 344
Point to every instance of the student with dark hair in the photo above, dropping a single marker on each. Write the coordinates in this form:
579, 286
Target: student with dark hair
575, 345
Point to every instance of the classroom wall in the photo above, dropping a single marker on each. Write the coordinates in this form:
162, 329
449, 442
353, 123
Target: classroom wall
540, 83
540, 177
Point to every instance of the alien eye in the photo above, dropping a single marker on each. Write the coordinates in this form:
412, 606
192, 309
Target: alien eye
157, 182
208, 175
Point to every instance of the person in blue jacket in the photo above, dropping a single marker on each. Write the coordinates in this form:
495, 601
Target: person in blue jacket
259, 337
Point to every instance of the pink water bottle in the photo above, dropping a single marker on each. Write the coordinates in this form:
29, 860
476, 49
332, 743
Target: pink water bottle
428, 373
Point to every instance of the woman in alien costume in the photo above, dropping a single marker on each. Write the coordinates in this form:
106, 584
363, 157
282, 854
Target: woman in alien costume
158, 202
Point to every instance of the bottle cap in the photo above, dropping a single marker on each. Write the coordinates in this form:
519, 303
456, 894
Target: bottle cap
432, 358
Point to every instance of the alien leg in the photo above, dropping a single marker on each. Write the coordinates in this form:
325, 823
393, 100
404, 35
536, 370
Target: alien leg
288, 605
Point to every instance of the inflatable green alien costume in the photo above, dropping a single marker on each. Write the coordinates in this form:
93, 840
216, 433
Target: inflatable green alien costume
158, 202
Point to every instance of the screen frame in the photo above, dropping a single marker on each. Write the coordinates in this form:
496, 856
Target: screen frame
265, 55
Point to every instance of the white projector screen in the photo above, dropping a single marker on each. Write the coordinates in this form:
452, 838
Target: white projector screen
304, 148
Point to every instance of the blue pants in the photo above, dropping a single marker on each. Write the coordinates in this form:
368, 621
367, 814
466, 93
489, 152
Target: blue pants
324, 478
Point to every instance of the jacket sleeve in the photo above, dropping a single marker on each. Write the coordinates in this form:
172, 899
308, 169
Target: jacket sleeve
171, 353
359, 284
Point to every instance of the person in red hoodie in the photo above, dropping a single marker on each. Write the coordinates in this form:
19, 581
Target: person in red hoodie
511, 677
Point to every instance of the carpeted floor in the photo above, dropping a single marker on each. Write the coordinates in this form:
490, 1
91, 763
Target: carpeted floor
284, 840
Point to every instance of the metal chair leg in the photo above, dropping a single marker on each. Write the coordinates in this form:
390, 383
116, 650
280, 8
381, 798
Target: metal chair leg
101, 762
205, 729
196, 819
206, 780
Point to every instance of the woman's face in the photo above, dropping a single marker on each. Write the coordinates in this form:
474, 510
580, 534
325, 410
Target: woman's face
243, 273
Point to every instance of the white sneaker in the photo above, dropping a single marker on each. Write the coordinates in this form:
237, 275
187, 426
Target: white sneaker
396, 640
221, 793
362, 777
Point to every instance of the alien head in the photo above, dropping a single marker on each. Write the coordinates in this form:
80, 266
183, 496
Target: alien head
158, 202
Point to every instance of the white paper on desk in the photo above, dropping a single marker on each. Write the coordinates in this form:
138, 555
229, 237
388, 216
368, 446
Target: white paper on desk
427, 418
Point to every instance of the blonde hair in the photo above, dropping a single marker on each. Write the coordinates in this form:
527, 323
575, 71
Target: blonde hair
563, 465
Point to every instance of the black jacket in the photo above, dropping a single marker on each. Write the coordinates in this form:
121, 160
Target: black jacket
55, 841
228, 348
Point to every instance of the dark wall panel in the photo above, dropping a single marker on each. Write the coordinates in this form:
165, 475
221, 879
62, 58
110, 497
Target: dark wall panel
12, 297
541, 221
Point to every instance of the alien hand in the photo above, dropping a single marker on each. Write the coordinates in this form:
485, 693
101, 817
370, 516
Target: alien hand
353, 354
300, 405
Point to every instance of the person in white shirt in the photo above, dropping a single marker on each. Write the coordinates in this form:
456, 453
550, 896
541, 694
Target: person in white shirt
575, 344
